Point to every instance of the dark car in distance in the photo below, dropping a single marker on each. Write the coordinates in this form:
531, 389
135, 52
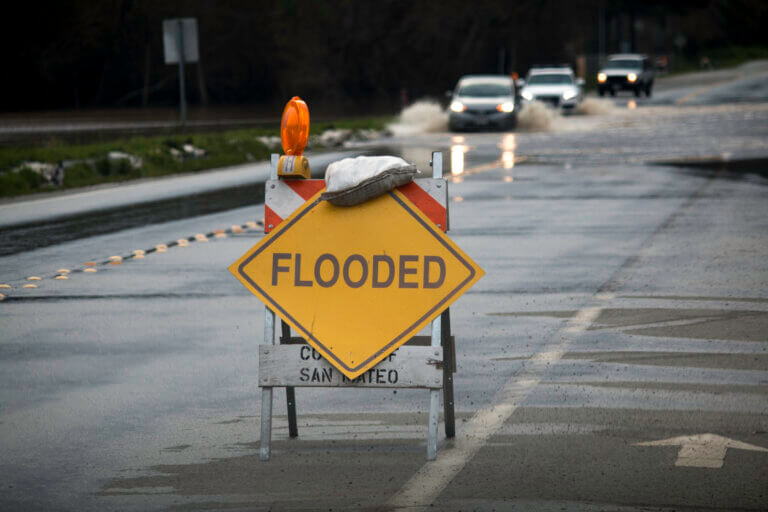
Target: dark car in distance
483, 101
627, 71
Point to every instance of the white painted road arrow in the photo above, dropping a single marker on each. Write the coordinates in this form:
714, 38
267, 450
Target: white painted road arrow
703, 450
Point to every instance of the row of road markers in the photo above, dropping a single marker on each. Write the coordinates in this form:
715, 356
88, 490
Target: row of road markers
356, 285
91, 266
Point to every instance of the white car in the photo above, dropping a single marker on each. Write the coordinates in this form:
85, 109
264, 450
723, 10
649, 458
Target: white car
555, 86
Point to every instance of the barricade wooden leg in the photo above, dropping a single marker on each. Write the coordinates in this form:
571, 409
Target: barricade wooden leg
266, 392
449, 360
434, 399
290, 391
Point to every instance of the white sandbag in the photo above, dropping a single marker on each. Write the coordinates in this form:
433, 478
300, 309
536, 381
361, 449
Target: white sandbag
352, 181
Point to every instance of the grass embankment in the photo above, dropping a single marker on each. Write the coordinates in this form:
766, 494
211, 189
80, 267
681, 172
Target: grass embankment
89, 164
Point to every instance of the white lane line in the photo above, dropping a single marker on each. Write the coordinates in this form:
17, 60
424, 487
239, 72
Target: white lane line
429, 481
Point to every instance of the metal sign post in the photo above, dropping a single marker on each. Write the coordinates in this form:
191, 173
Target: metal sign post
269, 339
434, 394
180, 46
182, 85
321, 268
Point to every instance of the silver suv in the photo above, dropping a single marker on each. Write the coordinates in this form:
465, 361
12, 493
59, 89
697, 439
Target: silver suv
482, 101
627, 71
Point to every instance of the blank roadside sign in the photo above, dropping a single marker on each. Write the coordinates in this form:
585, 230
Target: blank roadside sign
171, 39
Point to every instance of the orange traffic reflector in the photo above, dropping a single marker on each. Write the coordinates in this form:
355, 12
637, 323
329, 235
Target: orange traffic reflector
63, 271
251, 224
236, 229
161, 248
220, 234
33, 278
90, 263
115, 258
294, 127
30, 286
2, 296
201, 237
61, 277
116, 262
182, 242
138, 254
5, 286
89, 269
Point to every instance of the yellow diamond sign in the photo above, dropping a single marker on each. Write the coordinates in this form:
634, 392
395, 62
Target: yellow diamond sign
357, 282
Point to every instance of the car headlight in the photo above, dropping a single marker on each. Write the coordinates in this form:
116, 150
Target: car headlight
527, 95
602, 77
631, 77
458, 106
507, 107
567, 95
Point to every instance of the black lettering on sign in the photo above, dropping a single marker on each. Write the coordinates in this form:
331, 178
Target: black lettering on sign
318, 274
276, 257
403, 271
437, 283
373, 376
383, 270
375, 281
297, 281
304, 352
322, 375
304, 375
316, 355
364, 274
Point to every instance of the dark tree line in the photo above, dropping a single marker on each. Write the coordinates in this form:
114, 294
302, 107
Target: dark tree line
107, 53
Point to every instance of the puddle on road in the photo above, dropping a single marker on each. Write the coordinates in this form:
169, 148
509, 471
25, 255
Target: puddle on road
724, 168
706, 324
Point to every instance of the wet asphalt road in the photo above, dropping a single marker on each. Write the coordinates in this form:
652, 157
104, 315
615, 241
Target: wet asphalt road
625, 302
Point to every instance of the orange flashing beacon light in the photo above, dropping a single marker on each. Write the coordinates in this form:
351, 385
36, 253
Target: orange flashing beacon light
294, 133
